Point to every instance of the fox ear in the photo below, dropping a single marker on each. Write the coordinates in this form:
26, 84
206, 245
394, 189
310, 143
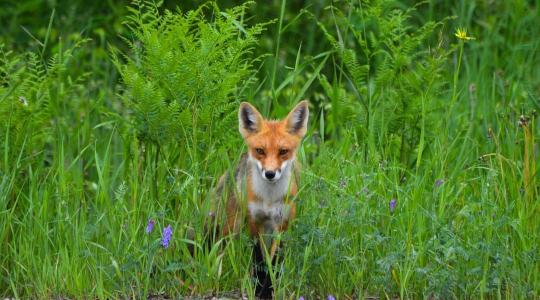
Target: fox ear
249, 119
297, 119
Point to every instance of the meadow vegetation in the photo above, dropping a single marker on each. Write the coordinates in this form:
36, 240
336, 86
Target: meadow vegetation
419, 177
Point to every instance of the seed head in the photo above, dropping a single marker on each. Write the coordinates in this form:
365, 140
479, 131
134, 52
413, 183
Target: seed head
23, 101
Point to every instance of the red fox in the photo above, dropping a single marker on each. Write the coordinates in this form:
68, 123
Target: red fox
264, 184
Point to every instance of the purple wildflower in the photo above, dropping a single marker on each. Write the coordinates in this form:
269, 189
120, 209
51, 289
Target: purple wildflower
167, 233
301, 298
393, 203
150, 226
330, 297
439, 182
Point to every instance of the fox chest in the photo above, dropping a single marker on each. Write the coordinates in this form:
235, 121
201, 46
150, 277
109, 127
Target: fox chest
267, 205
270, 215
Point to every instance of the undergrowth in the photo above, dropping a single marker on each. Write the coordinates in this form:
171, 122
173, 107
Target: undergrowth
419, 174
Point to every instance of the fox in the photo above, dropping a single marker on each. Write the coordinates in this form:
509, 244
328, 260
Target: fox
261, 192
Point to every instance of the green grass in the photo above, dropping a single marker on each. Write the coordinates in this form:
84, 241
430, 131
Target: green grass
78, 182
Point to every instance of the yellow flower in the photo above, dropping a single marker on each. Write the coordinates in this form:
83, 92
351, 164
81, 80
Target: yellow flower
461, 33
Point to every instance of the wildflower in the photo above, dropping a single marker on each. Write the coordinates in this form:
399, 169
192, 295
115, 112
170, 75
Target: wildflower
330, 297
461, 33
438, 182
392, 205
166, 238
150, 226
301, 298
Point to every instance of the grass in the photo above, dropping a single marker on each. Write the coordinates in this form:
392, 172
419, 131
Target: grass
77, 189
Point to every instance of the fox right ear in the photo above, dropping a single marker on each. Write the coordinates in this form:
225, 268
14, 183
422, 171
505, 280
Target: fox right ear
298, 118
249, 119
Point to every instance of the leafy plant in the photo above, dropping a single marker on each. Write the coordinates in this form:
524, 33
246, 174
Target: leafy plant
185, 75
33, 101
387, 81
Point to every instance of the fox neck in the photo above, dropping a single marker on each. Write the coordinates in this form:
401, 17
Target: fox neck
270, 192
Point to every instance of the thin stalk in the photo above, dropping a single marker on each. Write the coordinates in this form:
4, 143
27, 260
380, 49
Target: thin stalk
156, 163
454, 84
276, 55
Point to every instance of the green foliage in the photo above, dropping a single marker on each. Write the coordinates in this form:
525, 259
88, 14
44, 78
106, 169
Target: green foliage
76, 195
391, 79
23, 106
34, 97
185, 74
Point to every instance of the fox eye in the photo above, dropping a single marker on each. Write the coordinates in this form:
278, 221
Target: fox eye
283, 151
259, 151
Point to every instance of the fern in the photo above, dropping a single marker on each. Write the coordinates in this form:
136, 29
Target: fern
184, 74
22, 107
389, 76
33, 97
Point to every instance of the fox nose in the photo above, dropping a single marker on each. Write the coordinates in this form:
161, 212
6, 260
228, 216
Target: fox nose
270, 174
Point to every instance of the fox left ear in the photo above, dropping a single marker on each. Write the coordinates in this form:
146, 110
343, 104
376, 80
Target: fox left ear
297, 119
249, 119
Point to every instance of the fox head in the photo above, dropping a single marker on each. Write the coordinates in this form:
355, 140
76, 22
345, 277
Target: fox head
272, 145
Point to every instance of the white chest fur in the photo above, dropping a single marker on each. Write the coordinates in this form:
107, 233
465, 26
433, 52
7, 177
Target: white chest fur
271, 192
270, 209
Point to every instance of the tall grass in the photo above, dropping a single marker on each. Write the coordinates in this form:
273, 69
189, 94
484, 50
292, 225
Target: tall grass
438, 197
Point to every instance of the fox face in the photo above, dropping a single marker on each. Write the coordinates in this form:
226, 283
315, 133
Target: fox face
272, 144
